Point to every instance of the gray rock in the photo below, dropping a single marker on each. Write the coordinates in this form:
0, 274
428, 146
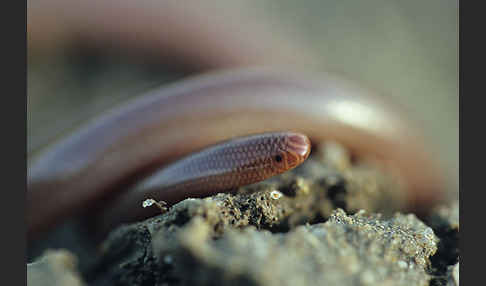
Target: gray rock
453, 275
444, 219
54, 268
346, 250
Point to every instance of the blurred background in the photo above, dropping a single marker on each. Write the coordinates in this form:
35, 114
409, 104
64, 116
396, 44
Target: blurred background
86, 57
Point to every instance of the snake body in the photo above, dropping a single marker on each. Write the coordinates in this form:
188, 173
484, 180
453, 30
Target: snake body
138, 139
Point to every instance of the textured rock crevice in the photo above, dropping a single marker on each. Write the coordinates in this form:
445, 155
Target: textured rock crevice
445, 263
360, 249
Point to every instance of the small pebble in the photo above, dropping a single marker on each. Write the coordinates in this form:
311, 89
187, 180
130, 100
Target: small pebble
275, 195
148, 203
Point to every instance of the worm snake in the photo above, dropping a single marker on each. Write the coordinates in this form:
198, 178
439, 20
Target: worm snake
221, 167
133, 141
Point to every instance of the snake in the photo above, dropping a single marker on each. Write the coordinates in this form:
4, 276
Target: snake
217, 131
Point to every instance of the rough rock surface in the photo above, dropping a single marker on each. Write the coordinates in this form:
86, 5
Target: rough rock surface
453, 275
444, 220
362, 249
346, 250
54, 268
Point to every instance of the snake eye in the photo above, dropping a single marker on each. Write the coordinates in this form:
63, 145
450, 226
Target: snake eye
278, 158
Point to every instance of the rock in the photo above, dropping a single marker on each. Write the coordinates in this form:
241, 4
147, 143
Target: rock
359, 249
453, 275
444, 219
346, 250
54, 268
